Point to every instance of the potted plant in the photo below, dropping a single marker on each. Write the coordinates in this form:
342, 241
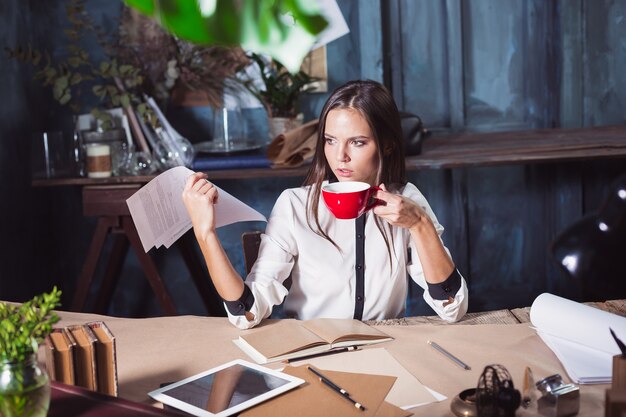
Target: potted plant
24, 386
280, 94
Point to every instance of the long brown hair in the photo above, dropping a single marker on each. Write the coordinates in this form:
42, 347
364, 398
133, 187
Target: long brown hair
375, 103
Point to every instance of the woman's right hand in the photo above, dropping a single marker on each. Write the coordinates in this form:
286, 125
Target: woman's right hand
199, 197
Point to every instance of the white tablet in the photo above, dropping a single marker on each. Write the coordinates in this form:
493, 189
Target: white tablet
226, 389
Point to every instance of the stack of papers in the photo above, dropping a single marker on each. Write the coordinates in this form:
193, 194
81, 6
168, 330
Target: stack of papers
579, 336
161, 218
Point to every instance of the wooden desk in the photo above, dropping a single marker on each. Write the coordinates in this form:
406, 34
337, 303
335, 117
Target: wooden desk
155, 350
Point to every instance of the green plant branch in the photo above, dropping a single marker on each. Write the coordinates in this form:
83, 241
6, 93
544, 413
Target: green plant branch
282, 89
68, 76
24, 327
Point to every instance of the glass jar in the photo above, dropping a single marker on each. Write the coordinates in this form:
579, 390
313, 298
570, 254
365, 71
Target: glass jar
24, 389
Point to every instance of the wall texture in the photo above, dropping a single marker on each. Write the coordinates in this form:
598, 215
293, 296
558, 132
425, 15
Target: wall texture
462, 65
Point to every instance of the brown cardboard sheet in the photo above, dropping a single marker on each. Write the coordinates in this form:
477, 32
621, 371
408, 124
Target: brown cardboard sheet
315, 399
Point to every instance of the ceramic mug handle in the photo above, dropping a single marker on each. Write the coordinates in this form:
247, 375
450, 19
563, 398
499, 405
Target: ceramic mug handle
374, 201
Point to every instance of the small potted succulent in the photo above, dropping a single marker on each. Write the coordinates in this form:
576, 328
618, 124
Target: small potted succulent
24, 386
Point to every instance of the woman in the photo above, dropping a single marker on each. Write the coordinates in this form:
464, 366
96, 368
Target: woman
339, 268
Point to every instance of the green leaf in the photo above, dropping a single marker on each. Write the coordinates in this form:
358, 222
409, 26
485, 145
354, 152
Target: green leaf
125, 100
125, 69
76, 78
36, 57
99, 91
257, 25
112, 90
144, 6
104, 66
74, 61
60, 90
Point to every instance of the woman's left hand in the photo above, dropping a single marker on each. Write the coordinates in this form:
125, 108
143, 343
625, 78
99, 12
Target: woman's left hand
399, 210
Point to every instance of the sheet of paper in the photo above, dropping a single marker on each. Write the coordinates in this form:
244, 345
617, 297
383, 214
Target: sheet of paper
160, 216
579, 336
583, 364
406, 393
337, 26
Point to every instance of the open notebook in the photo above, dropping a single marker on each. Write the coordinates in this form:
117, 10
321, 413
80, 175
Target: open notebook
288, 339
579, 336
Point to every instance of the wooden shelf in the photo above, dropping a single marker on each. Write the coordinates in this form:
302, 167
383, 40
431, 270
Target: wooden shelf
521, 147
450, 151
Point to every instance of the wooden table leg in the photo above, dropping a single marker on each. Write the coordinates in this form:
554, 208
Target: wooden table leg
206, 289
149, 268
112, 273
89, 267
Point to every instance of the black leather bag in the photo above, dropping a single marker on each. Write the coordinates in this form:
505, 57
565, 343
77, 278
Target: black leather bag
414, 133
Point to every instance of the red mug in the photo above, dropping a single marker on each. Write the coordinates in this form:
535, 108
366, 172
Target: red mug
349, 199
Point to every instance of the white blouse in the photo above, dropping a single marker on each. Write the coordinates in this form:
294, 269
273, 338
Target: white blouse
324, 278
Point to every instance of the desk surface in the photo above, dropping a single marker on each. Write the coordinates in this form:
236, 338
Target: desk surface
452, 151
155, 350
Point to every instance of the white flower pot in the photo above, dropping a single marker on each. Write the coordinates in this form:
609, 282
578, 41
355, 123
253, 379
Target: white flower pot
279, 125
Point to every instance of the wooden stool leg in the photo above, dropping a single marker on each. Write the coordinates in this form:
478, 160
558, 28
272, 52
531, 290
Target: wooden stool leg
112, 273
89, 267
208, 293
149, 268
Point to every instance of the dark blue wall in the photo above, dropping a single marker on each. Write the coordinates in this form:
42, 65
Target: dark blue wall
462, 65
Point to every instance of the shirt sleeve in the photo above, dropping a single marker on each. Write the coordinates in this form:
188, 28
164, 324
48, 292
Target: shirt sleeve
243, 304
272, 267
452, 304
446, 289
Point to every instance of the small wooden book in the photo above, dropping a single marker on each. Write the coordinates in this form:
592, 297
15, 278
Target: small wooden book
289, 339
84, 357
106, 360
60, 356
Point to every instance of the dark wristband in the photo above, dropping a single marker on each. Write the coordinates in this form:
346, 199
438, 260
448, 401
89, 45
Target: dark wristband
446, 289
243, 304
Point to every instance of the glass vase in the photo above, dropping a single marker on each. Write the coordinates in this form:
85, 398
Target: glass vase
24, 389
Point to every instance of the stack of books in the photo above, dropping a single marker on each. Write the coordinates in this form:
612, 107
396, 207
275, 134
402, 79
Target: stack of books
83, 355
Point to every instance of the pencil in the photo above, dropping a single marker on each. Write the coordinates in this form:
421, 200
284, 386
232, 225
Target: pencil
328, 352
336, 388
449, 355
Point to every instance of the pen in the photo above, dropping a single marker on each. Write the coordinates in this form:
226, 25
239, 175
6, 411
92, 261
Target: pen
328, 352
449, 355
336, 388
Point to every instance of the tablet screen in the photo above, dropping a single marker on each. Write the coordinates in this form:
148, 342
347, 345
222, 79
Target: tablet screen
225, 390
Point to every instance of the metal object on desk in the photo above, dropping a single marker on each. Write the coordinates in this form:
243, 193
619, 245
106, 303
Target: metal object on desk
496, 395
464, 404
558, 399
